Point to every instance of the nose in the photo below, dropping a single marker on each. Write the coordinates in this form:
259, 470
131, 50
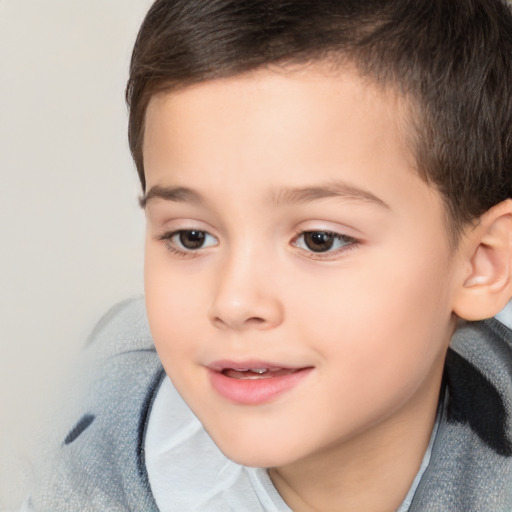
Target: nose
246, 295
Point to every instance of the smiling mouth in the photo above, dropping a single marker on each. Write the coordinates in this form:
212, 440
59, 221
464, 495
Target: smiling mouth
255, 382
257, 373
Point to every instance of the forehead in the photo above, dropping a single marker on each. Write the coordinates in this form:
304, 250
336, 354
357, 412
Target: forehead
273, 129
270, 107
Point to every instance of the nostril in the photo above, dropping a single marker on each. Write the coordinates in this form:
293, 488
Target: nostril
218, 322
255, 320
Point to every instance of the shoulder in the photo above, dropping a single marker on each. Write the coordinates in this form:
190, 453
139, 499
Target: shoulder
122, 328
479, 371
97, 463
471, 462
479, 376
486, 340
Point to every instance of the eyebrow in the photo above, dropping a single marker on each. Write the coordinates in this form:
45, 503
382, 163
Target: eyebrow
334, 189
281, 197
176, 194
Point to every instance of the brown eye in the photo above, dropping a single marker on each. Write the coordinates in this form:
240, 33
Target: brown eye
183, 241
192, 239
324, 242
319, 241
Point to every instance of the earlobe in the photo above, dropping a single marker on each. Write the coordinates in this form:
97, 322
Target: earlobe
486, 284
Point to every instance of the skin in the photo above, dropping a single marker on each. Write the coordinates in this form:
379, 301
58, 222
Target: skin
372, 317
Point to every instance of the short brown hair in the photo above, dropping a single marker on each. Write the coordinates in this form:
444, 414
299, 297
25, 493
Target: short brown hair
453, 58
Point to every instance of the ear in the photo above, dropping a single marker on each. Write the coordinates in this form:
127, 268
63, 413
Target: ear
486, 279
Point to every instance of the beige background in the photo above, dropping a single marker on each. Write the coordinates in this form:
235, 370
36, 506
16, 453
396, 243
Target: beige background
71, 231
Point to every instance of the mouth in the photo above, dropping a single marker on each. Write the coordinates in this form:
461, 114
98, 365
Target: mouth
257, 373
253, 383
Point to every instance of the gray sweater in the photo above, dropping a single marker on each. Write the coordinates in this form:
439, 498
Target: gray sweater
99, 464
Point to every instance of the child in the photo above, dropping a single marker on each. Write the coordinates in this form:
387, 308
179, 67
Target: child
327, 186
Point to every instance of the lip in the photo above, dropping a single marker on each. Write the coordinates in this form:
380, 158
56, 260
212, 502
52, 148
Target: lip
256, 390
219, 366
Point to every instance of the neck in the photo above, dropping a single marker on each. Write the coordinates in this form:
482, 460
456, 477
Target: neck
371, 472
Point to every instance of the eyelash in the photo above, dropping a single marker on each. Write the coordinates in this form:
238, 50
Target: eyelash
347, 243
171, 244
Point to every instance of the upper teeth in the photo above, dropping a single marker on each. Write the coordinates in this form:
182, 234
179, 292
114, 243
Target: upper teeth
254, 370
258, 370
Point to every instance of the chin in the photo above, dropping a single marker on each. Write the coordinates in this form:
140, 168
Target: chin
252, 459
251, 454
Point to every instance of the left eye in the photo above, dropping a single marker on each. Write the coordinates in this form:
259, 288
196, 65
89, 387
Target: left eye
190, 239
322, 241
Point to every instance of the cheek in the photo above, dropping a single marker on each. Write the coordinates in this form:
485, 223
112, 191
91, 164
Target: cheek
390, 319
175, 306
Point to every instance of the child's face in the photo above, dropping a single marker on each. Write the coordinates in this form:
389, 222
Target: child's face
288, 231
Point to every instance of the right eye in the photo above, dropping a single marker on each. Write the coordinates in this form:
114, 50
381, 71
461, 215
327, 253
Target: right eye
323, 241
188, 240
